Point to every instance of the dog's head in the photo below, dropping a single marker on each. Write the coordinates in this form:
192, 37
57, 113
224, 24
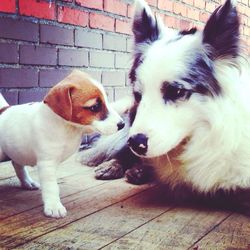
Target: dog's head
175, 76
81, 100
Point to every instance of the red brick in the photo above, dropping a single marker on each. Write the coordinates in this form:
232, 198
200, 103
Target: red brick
72, 16
193, 14
130, 12
91, 4
171, 22
8, 6
244, 20
204, 17
122, 26
210, 6
190, 2
116, 7
241, 9
180, 9
37, 9
165, 5
247, 11
152, 2
99, 21
200, 4
185, 25
246, 31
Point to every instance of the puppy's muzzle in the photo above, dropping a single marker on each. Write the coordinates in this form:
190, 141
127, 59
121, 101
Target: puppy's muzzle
138, 143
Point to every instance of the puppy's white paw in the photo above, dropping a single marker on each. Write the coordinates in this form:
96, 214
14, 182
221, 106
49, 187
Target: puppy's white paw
55, 210
30, 185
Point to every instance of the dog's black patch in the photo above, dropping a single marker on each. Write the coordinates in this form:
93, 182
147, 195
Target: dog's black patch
137, 61
188, 32
137, 96
132, 114
145, 28
222, 31
201, 78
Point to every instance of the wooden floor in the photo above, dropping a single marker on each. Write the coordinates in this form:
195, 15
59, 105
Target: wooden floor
111, 215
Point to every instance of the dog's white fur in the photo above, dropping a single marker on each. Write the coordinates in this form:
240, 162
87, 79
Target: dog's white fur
33, 134
216, 128
218, 152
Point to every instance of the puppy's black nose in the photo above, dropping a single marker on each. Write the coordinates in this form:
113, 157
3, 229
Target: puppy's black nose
120, 125
139, 143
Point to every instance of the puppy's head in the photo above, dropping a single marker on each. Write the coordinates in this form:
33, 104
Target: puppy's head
178, 76
81, 100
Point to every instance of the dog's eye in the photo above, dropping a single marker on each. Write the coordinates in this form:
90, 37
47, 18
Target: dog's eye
173, 93
95, 108
137, 96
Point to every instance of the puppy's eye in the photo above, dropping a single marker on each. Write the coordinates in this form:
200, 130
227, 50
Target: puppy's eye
173, 93
137, 96
95, 108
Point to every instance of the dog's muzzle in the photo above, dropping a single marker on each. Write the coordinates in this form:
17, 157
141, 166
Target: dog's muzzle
138, 143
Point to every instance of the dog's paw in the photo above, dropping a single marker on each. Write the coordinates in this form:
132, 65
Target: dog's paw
55, 210
109, 170
30, 185
139, 174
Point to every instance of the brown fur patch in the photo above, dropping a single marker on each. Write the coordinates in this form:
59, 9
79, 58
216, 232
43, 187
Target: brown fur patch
68, 97
3, 109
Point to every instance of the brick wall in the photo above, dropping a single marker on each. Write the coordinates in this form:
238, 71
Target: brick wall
43, 40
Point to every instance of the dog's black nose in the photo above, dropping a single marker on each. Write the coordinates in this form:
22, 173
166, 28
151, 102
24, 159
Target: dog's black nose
120, 125
139, 144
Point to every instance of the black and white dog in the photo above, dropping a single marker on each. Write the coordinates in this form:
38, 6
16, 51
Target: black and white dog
190, 118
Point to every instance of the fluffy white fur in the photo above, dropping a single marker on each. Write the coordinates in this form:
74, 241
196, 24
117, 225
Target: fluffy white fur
215, 127
217, 154
32, 134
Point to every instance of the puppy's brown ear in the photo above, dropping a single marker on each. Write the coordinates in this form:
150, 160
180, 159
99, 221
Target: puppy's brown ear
59, 100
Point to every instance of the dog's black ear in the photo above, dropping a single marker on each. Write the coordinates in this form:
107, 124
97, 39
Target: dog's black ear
145, 26
221, 32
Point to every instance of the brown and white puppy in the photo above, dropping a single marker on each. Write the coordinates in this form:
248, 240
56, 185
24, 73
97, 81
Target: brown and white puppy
47, 133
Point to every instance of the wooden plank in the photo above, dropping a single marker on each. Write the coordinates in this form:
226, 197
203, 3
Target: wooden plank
6, 170
18, 200
144, 221
176, 229
31, 224
105, 226
233, 233
73, 177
